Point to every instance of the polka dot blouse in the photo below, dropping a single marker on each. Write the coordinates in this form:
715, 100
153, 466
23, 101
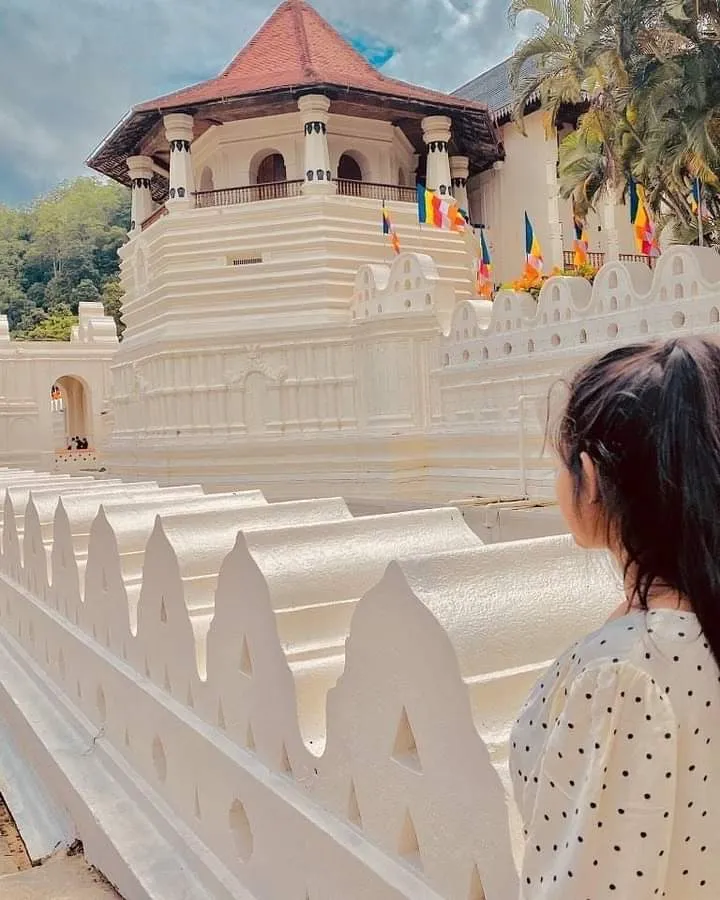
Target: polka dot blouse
615, 762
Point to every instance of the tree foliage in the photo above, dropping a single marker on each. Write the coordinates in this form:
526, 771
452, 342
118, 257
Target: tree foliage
59, 252
646, 76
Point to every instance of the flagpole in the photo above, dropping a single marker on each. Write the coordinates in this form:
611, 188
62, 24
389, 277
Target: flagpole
701, 236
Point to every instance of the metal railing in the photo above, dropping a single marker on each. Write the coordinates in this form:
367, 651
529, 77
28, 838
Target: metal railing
649, 261
596, 260
372, 191
252, 193
158, 214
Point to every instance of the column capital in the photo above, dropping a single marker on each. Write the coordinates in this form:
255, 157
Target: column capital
314, 108
460, 168
178, 127
436, 130
139, 167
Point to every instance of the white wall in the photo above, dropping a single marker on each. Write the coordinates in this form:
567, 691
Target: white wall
29, 429
307, 709
399, 390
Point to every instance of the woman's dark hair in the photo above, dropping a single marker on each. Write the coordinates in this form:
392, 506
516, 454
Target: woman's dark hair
648, 416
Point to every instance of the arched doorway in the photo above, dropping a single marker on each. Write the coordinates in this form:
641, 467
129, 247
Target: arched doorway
271, 177
349, 168
271, 169
70, 403
207, 179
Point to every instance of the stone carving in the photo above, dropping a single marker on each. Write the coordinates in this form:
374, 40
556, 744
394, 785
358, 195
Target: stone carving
256, 363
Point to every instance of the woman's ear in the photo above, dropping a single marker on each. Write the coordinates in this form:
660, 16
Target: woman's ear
590, 478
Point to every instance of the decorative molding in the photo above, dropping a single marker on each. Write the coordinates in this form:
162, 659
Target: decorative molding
256, 364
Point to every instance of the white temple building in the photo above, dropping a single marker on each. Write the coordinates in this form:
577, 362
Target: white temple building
214, 672
526, 179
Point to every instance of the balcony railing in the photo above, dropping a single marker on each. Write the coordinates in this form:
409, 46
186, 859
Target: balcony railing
274, 190
596, 260
649, 261
280, 190
371, 191
158, 214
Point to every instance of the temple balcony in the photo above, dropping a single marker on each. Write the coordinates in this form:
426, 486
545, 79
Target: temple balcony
283, 190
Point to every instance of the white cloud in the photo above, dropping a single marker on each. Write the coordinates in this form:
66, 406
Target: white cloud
70, 70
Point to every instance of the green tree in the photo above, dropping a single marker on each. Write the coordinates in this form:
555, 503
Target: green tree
85, 292
112, 296
61, 250
55, 327
648, 80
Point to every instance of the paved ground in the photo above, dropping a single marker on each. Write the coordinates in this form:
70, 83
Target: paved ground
64, 877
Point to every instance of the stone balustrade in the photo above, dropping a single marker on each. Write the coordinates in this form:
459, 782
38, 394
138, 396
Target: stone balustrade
240, 699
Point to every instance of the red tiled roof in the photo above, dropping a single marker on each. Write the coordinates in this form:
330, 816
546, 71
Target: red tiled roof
296, 47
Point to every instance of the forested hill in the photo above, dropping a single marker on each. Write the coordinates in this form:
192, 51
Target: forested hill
60, 251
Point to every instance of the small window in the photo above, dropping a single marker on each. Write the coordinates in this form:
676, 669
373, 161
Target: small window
349, 169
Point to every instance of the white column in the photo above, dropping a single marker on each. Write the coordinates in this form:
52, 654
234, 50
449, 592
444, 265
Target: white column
553, 203
436, 134
460, 172
179, 133
609, 226
314, 109
141, 173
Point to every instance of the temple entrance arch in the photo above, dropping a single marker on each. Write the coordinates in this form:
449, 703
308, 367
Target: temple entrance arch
349, 169
70, 399
271, 169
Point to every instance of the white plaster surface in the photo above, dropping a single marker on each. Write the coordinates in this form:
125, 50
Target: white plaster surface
231, 698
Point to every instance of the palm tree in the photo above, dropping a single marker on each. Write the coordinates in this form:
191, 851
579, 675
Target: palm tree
648, 74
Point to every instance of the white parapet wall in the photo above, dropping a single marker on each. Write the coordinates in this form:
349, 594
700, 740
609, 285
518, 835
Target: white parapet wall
231, 698
410, 393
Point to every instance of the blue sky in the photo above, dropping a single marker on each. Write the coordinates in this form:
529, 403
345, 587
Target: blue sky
70, 70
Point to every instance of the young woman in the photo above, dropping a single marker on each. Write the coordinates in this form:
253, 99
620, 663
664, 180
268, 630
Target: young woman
615, 758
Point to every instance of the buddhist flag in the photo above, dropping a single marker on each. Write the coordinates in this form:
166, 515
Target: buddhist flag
643, 227
434, 210
484, 273
533, 253
389, 229
580, 256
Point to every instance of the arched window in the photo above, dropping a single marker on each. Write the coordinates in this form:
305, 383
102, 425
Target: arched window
271, 169
207, 180
349, 168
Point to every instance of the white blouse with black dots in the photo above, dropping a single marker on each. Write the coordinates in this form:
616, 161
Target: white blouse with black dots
615, 762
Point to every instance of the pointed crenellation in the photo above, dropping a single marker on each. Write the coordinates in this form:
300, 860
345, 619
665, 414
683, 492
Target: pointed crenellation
405, 749
246, 666
408, 847
476, 891
353, 813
